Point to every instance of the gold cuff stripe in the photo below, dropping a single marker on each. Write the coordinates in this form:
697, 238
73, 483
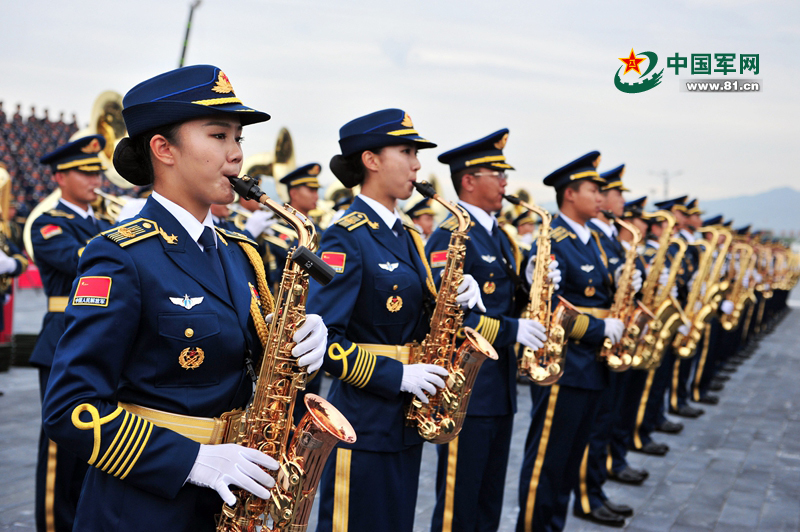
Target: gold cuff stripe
597, 312
537, 465
110, 452
79, 162
450, 485
122, 448
580, 327
336, 352
341, 491
218, 101
362, 368
141, 448
22, 261
488, 328
487, 159
94, 424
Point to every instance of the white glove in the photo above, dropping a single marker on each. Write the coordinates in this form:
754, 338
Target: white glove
311, 338
421, 378
218, 466
7, 264
727, 307
663, 277
758, 277
555, 274
691, 282
683, 329
636, 278
674, 291
614, 329
258, 222
469, 294
531, 333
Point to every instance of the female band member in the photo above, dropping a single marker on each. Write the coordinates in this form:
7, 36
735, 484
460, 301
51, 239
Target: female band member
161, 323
374, 306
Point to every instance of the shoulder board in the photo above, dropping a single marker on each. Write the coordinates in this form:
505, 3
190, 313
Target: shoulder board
234, 235
649, 252
451, 224
560, 233
356, 219
60, 214
136, 230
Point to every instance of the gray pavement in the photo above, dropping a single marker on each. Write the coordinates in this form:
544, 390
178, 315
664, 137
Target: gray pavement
735, 468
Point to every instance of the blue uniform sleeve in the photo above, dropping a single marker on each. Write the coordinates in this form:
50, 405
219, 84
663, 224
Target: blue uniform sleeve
499, 329
80, 410
336, 302
55, 245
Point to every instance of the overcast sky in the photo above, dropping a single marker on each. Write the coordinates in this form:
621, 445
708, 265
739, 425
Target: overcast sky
460, 69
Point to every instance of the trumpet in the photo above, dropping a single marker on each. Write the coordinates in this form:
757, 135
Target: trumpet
112, 204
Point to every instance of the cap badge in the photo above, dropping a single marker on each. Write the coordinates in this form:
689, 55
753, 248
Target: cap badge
314, 170
92, 147
223, 85
407, 121
596, 162
500, 144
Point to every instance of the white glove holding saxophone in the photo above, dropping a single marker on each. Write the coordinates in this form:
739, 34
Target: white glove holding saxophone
531, 333
312, 339
554, 275
469, 294
258, 222
683, 329
636, 278
421, 378
727, 307
7, 264
219, 466
614, 329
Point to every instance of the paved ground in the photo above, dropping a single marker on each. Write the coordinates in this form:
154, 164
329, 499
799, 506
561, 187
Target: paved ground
735, 468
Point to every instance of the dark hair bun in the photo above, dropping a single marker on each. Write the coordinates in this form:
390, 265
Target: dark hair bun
348, 173
130, 163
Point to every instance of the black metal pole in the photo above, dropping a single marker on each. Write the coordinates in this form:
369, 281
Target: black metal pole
188, 29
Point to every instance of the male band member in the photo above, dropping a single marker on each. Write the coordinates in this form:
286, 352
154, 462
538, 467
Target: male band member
589, 494
525, 224
563, 413
471, 469
58, 238
421, 213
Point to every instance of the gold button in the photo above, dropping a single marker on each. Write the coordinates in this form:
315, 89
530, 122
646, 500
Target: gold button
189, 332
491, 274
394, 287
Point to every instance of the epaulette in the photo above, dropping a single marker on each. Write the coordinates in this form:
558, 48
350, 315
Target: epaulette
560, 233
451, 224
356, 219
136, 230
60, 214
649, 252
234, 235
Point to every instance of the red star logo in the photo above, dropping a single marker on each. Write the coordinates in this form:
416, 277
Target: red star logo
631, 63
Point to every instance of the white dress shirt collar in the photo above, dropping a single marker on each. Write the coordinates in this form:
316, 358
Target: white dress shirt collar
482, 217
653, 244
609, 230
388, 217
80, 212
688, 235
185, 218
583, 232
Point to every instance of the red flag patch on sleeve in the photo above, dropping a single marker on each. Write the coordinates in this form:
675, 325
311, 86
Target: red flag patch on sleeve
334, 260
50, 230
438, 259
92, 291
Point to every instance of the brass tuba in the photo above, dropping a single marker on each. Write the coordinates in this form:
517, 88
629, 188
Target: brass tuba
5, 219
266, 424
106, 120
441, 419
546, 365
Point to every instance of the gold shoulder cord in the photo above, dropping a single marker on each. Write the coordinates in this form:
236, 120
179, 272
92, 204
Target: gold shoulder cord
421, 250
514, 248
267, 302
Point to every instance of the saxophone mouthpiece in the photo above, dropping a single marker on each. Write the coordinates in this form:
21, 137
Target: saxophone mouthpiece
246, 187
512, 199
425, 188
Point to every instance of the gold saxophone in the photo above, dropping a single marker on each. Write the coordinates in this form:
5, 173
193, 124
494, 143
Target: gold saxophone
668, 313
634, 315
266, 424
546, 365
739, 295
441, 419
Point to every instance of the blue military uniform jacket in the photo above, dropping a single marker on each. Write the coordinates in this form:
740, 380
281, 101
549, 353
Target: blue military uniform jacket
585, 282
376, 297
149, 324
487, 259
58, 237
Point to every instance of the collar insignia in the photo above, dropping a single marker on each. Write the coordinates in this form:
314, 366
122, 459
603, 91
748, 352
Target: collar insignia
389, 266
186, 301
587, 267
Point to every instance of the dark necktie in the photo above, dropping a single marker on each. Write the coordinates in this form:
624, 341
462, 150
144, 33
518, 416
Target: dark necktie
211, 254
398, 229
